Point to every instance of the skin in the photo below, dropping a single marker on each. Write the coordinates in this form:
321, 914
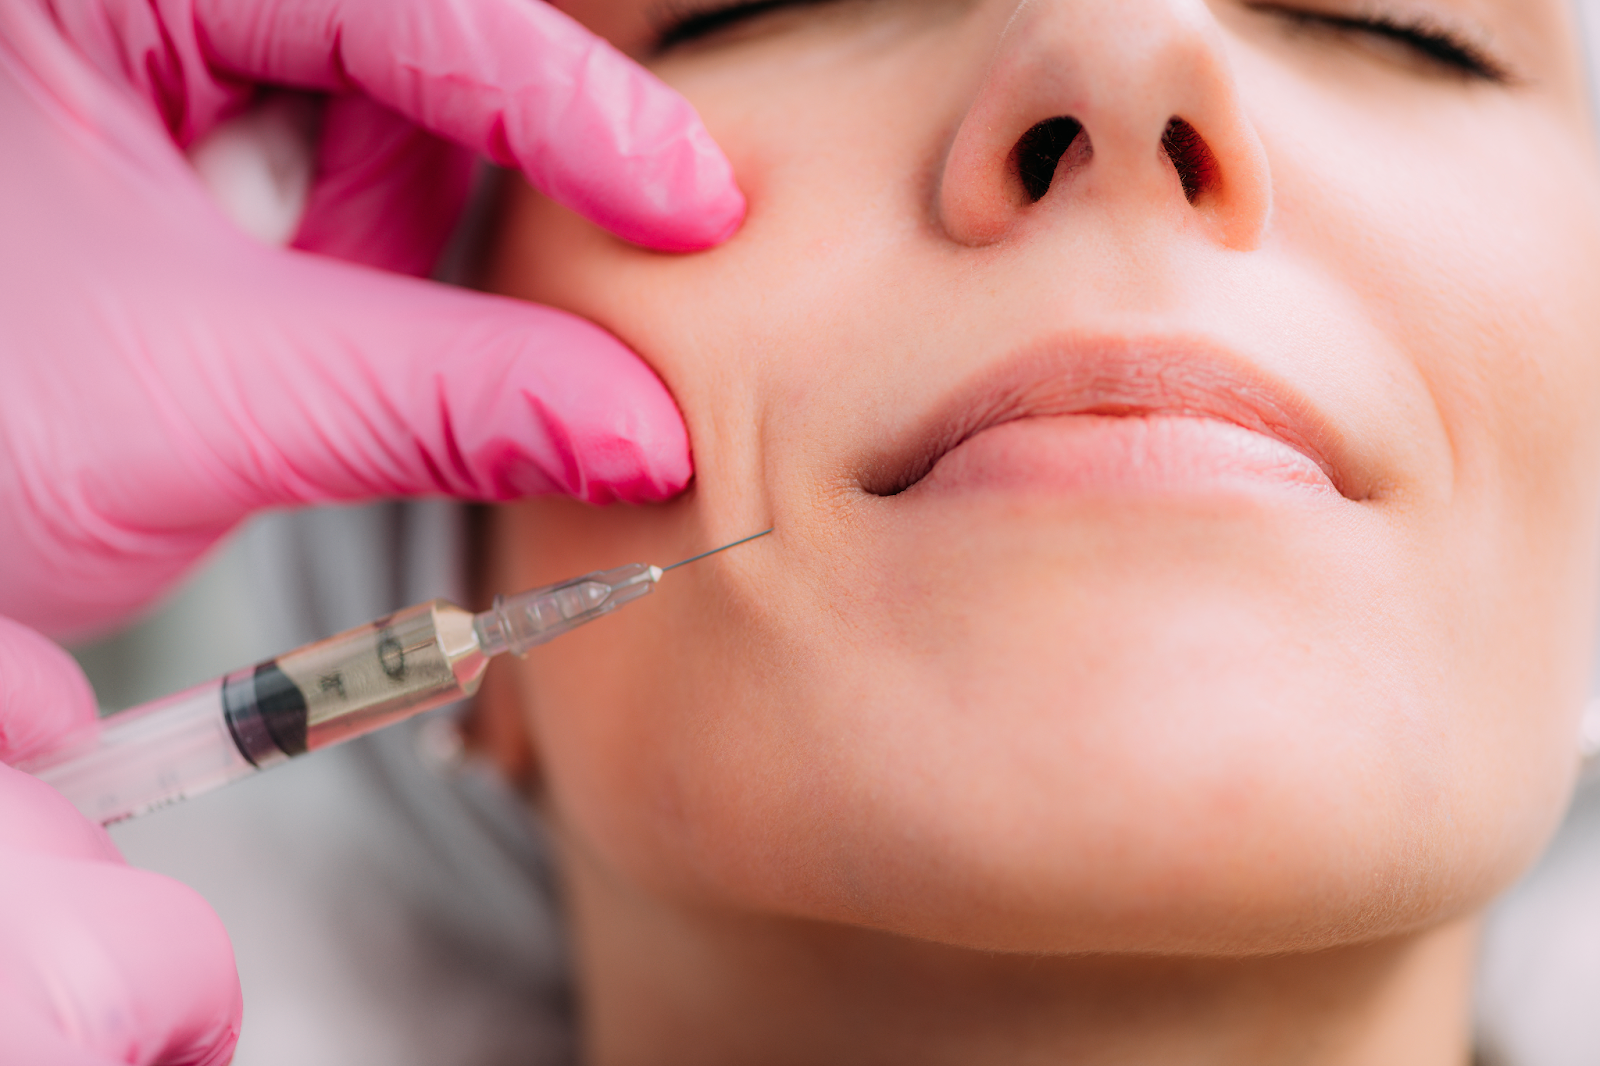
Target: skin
1037, 762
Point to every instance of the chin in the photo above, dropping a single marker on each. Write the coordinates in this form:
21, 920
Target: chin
1170, 727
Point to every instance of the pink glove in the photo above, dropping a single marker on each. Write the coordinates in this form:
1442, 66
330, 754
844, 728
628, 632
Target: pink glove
99, 963
164, 375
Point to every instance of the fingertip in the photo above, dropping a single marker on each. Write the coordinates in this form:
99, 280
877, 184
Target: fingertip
41, 821
610, 140
157, 913
726, 215
175, 951
523, 83
685, 196
716, 203
555, 404
43, 693
715, 218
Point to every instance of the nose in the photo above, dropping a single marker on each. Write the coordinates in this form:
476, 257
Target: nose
1130, 105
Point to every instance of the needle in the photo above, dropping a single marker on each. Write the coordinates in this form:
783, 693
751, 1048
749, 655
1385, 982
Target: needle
713, 551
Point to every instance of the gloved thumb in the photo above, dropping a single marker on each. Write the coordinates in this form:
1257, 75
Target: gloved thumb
288, 379
346, 383
43, 698
101, 963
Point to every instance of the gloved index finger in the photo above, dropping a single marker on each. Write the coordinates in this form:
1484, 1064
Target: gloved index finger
514, 79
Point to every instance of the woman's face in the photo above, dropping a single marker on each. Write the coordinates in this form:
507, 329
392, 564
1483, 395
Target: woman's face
1185, 547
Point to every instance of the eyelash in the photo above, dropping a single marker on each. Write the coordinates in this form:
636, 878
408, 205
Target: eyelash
682, 23
1424, 37
1427, 38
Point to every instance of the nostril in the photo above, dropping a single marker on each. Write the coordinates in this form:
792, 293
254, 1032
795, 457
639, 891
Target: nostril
1191, 156
1039, 151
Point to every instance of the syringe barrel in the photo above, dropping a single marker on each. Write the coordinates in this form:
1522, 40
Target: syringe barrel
367, 677
320, 694
146, 758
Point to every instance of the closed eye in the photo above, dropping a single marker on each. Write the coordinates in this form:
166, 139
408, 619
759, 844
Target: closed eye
1427, 39
683, 24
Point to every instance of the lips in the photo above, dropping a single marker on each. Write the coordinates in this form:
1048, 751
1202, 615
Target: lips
1076, 413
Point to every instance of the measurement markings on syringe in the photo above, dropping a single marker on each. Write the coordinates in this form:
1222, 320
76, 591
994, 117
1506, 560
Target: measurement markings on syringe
391, 653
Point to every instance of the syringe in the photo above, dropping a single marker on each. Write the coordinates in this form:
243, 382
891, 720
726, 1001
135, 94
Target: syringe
321, 694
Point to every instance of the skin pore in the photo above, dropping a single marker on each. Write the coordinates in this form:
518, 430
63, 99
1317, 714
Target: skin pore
1177, 618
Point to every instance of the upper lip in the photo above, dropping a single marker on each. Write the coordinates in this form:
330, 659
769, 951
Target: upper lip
1150, 377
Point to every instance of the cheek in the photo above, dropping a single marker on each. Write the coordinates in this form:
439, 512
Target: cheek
1479, 256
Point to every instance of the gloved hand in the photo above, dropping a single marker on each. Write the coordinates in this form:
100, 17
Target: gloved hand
162, 375
165, 375
99, 963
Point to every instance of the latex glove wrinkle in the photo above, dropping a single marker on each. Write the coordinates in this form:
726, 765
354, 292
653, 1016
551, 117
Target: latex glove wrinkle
166, 375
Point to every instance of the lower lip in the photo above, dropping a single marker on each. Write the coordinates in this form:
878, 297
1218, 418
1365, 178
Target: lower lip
1120, 455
